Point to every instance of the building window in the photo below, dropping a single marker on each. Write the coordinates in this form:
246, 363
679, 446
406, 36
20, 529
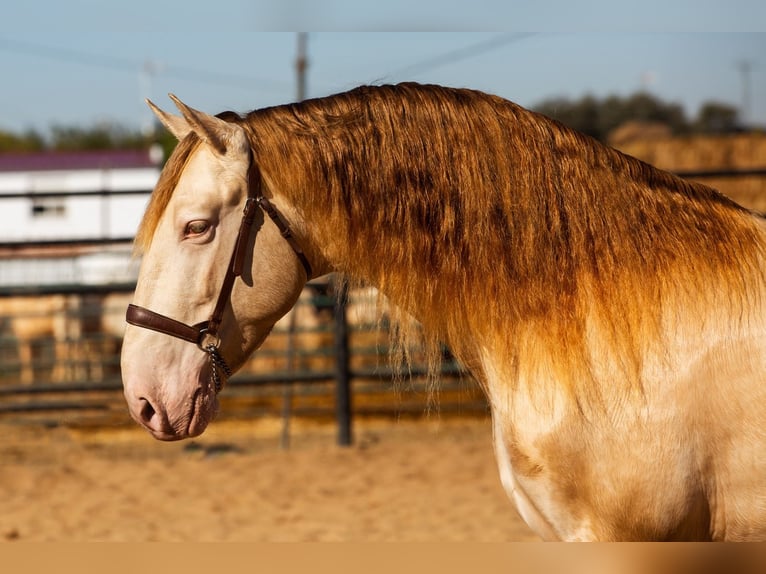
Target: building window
48, 207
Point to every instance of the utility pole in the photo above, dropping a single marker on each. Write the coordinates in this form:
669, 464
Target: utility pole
343, 412
145, 80
745, 66
301, 64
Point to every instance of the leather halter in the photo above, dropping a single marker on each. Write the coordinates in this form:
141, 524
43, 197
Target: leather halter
208, 331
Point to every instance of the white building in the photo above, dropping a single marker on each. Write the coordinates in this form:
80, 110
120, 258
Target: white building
70, 217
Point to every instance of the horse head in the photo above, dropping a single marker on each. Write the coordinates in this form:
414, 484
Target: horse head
215, 276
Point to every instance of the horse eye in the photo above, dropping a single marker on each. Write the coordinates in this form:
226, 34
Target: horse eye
196, 228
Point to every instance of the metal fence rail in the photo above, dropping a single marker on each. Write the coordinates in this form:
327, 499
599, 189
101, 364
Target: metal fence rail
59, 362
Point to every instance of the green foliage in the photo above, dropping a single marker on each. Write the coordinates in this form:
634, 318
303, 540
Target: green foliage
166, 140
103, 136
598, 118
100, 137
26, 142
717, 117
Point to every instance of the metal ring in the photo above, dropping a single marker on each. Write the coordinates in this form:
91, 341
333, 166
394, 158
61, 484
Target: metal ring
204, 333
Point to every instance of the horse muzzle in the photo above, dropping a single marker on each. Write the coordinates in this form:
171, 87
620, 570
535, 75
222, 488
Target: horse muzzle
173, 420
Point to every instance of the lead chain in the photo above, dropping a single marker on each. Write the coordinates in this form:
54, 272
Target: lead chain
217, 364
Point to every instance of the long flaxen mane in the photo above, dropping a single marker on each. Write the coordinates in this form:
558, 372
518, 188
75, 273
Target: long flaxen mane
484, 219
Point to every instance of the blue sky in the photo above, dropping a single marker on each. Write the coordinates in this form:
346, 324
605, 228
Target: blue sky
85, 61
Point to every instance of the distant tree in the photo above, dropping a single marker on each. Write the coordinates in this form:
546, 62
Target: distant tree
165, 139
103, 136
611, 115
26, 142
582, 115
599, 118
646, 108
717, 117
99, 137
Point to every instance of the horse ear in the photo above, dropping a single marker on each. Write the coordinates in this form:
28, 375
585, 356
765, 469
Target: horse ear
176, 125
214, 131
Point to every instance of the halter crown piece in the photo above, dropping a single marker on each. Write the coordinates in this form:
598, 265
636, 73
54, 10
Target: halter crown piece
205, 334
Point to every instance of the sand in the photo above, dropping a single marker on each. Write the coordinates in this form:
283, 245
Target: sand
427, 479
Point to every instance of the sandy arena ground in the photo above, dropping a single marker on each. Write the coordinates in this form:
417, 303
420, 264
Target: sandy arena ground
406, 480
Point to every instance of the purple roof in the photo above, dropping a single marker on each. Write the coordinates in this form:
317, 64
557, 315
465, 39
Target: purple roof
54, 160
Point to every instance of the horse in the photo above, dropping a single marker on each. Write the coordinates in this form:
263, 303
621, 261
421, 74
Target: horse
612, 313
34, 322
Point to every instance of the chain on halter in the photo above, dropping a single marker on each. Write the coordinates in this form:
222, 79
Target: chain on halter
217, 364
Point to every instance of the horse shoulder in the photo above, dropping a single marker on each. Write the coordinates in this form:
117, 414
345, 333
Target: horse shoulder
677, 456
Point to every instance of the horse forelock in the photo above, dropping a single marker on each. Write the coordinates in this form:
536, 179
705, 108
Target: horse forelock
163, 191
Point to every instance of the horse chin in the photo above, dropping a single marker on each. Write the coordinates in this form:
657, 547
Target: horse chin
204, 408
193, 422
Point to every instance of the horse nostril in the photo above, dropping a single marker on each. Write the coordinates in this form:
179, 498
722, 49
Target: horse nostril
154, 420
147, 412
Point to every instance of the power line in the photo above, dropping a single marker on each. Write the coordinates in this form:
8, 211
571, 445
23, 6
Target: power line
460, 54
130, 65
66, 55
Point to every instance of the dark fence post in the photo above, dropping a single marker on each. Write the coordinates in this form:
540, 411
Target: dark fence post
342, 371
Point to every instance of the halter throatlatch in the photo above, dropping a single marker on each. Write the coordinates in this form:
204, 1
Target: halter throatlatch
206, 334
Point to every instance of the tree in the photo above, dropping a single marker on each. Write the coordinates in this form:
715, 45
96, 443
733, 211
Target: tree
99, 137
167, 140
598, 118
646, 108
717, 117
28, 141
582, 115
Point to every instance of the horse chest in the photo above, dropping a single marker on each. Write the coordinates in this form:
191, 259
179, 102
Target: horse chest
532, 478
528, 505
592, 476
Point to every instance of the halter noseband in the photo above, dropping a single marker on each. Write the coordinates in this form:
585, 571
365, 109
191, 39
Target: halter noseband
206, 334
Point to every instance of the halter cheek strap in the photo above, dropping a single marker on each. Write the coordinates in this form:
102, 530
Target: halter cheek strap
286, 232
206, 334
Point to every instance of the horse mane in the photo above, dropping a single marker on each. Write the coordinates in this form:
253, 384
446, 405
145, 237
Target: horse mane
478, 216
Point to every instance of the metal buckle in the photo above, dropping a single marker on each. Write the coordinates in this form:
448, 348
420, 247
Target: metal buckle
213, 340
